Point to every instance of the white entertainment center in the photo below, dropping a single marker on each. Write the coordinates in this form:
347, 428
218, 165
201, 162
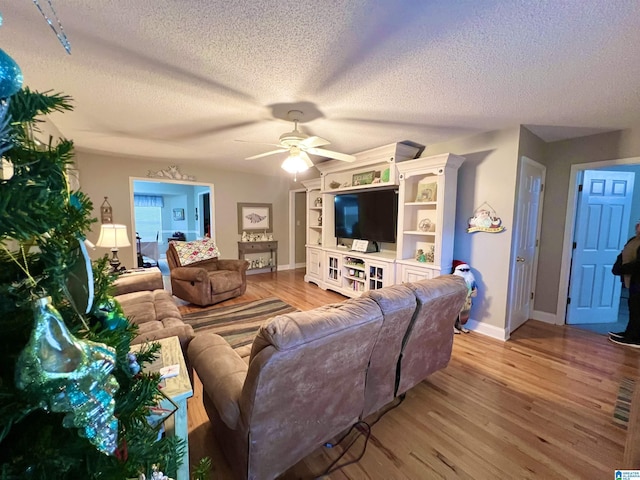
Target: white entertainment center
426, 189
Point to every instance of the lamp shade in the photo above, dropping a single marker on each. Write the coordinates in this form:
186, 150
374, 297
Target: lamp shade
113, 235
294, 165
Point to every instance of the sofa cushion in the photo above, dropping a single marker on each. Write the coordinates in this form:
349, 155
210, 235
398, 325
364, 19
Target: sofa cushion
295, 329
196, 251
149, 305
398, 304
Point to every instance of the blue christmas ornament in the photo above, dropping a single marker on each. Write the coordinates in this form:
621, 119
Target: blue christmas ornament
111, 315
10, 76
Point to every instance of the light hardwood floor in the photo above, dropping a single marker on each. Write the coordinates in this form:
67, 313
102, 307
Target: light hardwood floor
539, 406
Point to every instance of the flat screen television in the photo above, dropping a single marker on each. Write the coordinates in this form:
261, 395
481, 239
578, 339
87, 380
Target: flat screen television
371, 215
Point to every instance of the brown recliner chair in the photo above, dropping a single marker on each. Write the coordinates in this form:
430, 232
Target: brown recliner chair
208, 281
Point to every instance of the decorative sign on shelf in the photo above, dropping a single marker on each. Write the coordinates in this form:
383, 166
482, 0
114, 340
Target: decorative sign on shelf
427, 191
485, 219
364, 246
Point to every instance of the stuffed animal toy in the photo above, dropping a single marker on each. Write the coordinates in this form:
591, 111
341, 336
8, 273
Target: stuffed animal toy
463, 270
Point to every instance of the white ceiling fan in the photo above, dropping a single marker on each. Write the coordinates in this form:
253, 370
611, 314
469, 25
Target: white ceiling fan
299, 145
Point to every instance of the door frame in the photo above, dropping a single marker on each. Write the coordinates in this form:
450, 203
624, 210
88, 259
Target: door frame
200, 219
292, 227
534, 266
161, 180
569, 227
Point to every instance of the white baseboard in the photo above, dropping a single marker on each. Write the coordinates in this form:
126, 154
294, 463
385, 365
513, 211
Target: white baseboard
288, 266
488, 330
545, 317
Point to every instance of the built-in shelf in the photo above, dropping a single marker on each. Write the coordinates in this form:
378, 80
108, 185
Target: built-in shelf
425, 227
417, 232
420, 204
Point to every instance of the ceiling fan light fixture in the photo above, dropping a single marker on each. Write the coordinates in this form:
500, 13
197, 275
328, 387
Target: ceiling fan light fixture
294, 164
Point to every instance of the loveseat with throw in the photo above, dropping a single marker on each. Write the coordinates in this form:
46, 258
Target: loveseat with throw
200, 277
311, 375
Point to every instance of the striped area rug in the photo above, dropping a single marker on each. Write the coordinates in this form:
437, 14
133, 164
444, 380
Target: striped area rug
623, 402
237, 324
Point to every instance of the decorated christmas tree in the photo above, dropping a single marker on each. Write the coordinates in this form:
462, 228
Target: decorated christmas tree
74, 402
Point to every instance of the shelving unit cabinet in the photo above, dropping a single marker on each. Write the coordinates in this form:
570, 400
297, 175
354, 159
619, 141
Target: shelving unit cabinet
315, 254
426, 219
314, 213
426, 216
353, 273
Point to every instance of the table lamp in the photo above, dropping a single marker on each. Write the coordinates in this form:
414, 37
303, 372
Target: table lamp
113, 236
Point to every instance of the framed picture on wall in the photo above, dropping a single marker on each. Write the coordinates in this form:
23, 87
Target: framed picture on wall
178, 213
255, 217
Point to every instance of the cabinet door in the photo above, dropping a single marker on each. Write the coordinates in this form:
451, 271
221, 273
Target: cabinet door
332, 267
314, 263
379, 274
410, 274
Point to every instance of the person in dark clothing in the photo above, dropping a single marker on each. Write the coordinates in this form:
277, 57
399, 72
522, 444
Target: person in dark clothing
628, 267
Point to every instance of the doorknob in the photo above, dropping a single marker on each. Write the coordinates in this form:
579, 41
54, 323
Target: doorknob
520, 259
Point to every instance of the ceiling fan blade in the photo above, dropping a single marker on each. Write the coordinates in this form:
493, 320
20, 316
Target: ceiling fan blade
306, 159
331, 154
272, 152
311, 142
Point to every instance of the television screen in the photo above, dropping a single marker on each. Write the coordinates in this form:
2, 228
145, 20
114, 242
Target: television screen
371, 215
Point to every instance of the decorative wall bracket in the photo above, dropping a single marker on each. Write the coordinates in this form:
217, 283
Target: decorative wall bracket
173, 172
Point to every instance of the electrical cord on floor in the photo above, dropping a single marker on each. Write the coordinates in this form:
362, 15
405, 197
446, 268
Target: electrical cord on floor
362, 427
335, 444
334, 465
399, 398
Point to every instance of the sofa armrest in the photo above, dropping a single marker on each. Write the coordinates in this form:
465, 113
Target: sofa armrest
222, 373
229, 264
137, 282
190, 274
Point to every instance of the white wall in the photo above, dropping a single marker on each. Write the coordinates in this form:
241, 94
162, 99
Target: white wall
560, 156
487, 175
104, 175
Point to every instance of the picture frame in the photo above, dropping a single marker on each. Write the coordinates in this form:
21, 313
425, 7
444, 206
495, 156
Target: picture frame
178, 213
255, 217
106, 212
364, 178
427, 192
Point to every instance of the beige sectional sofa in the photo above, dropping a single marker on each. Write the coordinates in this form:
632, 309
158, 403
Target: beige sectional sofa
311, 375
147, 304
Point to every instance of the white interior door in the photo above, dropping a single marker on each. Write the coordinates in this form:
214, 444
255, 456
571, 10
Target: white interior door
602, 223
527, 227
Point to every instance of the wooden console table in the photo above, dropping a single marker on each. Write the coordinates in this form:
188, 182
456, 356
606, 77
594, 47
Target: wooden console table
271, 246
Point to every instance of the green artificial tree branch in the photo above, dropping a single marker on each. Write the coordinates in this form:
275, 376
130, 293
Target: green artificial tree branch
41, 223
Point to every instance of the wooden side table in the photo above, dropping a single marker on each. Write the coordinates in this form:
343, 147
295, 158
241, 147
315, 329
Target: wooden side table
178, 389
271, 246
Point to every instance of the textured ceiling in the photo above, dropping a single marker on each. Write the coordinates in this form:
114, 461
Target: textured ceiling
180, 81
